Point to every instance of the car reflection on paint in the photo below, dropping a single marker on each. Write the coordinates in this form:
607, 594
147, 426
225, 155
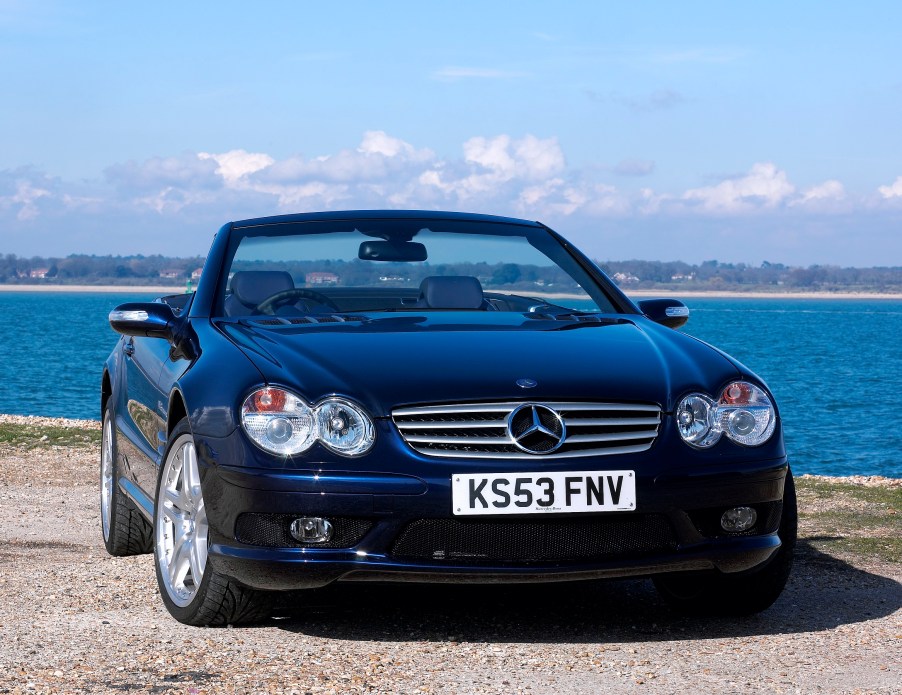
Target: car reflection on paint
426, 396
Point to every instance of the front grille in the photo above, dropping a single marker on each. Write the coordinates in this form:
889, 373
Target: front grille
545, 540
272, 531
480, 430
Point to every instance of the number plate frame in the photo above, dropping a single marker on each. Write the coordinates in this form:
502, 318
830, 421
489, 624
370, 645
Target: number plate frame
543, 492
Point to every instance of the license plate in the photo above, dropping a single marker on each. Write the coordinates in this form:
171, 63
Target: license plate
543, 493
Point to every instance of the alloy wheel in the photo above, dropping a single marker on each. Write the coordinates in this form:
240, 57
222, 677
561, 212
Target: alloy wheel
106, 476
180, 528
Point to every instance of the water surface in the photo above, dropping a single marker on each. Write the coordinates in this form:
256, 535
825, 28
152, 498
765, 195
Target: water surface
835, 366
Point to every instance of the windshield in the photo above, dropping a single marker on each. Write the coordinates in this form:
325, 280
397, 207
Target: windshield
403, 265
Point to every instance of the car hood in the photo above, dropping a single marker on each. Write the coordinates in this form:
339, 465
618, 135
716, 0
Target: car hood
387, 361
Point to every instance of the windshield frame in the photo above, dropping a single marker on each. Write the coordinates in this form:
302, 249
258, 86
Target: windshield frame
558, 250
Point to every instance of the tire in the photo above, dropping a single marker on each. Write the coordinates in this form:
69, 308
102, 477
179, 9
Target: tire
194, 593
125, 531
740, 594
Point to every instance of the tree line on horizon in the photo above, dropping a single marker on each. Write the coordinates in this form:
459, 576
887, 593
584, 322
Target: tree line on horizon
630, 274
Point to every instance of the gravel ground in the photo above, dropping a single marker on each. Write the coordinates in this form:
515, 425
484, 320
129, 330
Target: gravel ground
73, 619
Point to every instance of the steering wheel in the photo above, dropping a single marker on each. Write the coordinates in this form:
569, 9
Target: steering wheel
267, 306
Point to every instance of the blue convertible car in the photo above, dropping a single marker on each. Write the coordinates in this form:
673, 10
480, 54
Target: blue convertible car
432, 397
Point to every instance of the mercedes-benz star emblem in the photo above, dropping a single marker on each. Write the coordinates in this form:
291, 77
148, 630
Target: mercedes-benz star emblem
536, 428
527, 383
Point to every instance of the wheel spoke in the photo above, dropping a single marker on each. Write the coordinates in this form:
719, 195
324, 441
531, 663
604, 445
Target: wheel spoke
173, 497
180, 560
197, 562
191, 477
174, 514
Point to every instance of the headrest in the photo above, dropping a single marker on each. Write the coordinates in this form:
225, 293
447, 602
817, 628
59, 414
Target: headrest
251, 287
451, 292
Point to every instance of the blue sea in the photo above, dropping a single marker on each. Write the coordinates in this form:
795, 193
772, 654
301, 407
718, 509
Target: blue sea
835, 366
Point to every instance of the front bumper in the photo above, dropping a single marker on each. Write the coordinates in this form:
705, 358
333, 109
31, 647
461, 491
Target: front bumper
682, 497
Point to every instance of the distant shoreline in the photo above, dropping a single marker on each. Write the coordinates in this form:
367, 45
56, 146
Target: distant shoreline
160, 290
733, 294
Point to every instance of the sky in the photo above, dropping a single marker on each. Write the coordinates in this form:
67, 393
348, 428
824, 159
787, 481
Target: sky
742, 132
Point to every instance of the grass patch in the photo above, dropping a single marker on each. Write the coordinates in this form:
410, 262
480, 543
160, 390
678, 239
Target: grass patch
33, 436
846, 518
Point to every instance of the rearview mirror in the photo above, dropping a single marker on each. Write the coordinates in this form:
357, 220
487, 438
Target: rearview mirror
398, 251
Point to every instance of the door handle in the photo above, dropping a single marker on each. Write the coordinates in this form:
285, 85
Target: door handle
129, 348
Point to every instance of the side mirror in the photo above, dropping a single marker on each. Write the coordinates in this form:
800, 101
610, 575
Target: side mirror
668, 312
151, 319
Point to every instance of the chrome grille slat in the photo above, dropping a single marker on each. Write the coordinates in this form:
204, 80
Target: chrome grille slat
451, 425
463, 430
521, 455
452, 409
612, 437
441, 439
613, 422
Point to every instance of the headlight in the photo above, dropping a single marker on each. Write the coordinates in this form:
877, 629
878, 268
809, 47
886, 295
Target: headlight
695, 420
279, 421
282, 423
343, 427
743, 412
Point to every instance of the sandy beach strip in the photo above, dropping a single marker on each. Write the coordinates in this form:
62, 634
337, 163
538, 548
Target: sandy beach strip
160, 291
728, 294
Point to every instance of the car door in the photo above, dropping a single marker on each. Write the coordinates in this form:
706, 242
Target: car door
144, 419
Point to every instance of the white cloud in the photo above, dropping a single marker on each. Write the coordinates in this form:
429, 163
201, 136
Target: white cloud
491, 164
237, 164
764, 186
186, 171
380, 142
892, 191
524, 176
378, 156
27, 196
826, 192
26, 193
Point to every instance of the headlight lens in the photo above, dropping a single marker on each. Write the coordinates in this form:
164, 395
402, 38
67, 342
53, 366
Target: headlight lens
343, 427
282, 423
279, 421
743, 412
695, 420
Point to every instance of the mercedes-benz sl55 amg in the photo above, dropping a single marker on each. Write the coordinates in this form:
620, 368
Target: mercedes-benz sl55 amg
432, 397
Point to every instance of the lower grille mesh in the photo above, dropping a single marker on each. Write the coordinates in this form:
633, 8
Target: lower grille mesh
545, 540
272, 531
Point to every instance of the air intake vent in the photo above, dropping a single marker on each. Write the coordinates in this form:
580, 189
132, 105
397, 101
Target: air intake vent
310, 319
481, 430
546, 540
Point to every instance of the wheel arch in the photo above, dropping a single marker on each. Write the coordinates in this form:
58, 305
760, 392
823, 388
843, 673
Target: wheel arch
178, 410
106, 391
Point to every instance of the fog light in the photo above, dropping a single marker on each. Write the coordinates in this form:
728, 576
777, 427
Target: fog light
311, 529
738, 519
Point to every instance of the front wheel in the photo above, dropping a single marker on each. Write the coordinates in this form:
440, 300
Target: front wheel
738, 594
193, 592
